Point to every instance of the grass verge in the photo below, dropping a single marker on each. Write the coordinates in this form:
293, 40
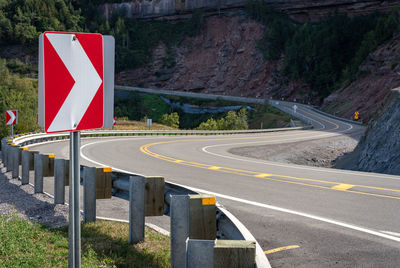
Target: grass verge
104, 244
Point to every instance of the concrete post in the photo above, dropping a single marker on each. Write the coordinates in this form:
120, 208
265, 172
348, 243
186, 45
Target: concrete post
3, 149
89, 194
5, 159
59, 181
15, 161
179, 229
9, 158
136, 208
25, 166
38, 179
200, 253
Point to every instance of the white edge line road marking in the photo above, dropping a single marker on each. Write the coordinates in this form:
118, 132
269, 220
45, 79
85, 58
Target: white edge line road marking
257, 204
391, 233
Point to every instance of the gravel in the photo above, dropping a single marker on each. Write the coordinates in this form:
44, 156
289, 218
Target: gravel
317, 153
20, 200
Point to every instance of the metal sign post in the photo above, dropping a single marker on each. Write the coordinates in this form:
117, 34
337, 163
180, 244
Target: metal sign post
74, 231
12, 130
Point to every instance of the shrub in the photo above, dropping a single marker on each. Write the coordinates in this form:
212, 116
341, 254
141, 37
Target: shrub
171, 120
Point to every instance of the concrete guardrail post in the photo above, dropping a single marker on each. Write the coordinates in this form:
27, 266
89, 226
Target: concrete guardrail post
38, 179
146, 198
60, 170
15, 150
25, 155
179, 229
9, 158
200, 253
193, 217
3, 150
137, 198
89, 194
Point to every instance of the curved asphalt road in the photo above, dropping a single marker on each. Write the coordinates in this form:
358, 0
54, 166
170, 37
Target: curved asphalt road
327, 217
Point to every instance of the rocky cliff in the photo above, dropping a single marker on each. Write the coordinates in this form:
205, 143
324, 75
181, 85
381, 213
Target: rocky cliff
302, 10
369, 93
379, 150
223, 59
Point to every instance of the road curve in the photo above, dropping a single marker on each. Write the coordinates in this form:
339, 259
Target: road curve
301, 216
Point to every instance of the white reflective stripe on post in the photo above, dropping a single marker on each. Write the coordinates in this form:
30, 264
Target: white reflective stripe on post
136, 208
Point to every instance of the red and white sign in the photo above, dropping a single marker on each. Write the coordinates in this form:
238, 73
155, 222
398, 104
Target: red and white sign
12, 117
70, 81
114, 121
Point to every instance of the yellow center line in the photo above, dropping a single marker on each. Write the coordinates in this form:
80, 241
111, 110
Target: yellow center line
343, 187
280, 249
272, 177
265, 176
214, 168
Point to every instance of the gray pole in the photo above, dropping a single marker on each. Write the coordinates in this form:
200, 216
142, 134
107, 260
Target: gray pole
74, 231
12, 130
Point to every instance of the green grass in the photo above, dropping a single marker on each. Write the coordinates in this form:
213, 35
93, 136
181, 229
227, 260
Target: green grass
104, 244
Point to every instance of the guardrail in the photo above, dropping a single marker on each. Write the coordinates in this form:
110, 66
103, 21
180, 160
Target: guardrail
274, 103
228, 227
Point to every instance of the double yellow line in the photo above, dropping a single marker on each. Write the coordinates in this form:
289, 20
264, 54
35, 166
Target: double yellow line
323, 184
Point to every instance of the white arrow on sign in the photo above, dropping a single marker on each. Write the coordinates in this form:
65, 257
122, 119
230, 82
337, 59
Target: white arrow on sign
87, 81
12, 117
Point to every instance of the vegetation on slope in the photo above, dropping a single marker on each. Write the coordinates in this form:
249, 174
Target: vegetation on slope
104, 244
17, 93
327, 53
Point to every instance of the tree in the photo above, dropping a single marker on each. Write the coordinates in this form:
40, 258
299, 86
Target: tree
171, 120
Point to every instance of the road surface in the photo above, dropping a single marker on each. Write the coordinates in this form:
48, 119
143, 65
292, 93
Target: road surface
301, 216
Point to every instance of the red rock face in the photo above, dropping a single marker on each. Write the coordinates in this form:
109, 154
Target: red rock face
223, 59
367, 95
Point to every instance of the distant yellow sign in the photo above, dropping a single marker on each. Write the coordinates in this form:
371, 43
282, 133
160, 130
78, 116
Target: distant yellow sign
356, 114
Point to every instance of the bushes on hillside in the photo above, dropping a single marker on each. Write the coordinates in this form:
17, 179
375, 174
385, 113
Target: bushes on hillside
232, 121
171, 120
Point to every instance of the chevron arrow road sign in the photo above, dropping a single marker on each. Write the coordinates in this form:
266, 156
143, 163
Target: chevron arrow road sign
11, 117
72, 82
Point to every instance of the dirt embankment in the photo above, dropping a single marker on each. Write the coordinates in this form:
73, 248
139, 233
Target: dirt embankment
317, 153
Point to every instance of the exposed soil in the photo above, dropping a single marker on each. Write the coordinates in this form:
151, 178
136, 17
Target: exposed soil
317, 153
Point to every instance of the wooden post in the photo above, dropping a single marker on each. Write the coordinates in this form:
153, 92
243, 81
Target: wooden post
234, 253
154, 196
202, 217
